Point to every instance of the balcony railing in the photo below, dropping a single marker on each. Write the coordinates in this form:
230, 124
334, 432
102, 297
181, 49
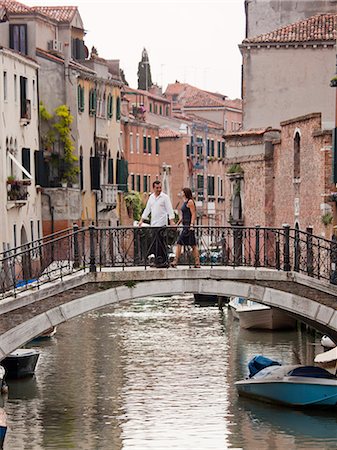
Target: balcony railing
18, 190
108, 199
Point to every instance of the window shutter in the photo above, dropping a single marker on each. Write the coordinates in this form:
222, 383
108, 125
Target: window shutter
79, 95
110, 171
81, 173
40, 169
157, 146
95, 166
82, 98
149, 144
25, 158
122, 175
118, 108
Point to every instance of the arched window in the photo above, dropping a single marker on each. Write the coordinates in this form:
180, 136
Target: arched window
237, 207
297, 155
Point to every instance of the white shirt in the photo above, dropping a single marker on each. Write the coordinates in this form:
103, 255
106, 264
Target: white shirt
160, 207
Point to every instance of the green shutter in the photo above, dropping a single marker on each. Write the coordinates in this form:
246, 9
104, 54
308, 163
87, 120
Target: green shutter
118, 108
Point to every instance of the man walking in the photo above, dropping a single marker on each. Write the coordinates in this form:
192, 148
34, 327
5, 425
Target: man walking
160, 207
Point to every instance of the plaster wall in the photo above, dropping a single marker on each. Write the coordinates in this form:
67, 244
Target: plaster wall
287, 82
263, 16
15, 134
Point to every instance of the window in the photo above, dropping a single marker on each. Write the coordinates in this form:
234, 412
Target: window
145, 183
210, 185
219, 149
138, 183
137, 143
157, 146
110, 106
297, 155
155, 108
237, 207
144, 144
24, 102
149, 145
167, 110
32, 230
132, 182
212, 147
161, 110
192, 146
38, 229
18, 38
220, 187
223, 152
150, 107
92, 102
25, 159
15, 88
131, 142
118, 108
187, 150
34, 94
5, 87
208, 148
200, 187
226, 125
80, 98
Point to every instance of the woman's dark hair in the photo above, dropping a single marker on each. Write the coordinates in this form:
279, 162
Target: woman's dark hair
188, 193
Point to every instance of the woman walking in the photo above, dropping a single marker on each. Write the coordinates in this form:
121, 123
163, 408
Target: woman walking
187, 236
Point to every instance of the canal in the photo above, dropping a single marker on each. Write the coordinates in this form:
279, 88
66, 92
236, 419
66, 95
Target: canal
158, 373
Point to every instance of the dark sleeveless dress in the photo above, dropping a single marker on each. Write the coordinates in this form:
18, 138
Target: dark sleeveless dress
187, 236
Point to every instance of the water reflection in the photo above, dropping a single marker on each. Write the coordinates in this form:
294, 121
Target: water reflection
157, 374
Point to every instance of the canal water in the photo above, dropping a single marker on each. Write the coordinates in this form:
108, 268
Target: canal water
158, 373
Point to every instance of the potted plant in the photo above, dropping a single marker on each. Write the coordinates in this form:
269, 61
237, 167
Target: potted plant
327, 218
333, 81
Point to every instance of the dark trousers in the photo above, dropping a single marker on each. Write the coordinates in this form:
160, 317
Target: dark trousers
159, 247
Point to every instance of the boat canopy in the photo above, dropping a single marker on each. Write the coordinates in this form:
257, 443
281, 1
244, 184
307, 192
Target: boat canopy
260, 362
312, 372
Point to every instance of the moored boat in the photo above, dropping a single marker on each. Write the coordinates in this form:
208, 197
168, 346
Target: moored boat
20, 363
253, 315
291, 385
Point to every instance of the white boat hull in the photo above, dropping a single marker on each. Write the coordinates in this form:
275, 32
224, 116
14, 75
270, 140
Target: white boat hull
265, 319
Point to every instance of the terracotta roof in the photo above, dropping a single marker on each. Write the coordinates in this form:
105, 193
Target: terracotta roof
15, 7
168, 133
130, 91
62, 14
251, 132
321, 27
188, 96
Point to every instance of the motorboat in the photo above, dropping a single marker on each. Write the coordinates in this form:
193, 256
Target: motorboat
253, 315
46, 335
291, 385
328, 360
21, 363
327, 342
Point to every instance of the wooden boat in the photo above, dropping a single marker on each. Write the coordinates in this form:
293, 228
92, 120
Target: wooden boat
20, 363
253, 315
291, 385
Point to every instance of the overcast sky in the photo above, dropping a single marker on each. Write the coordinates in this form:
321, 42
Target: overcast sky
187, 40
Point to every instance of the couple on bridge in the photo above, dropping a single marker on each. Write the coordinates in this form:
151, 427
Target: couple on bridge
160, 207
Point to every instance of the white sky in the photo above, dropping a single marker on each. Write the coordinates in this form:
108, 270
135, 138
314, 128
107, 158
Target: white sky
190, 41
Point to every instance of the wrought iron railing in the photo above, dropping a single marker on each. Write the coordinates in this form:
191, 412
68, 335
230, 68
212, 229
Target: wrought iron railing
92, 249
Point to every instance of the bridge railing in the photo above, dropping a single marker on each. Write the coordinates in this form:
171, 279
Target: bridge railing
94, 249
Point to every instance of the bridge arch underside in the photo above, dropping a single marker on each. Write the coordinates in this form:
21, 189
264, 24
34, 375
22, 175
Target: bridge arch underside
320, 316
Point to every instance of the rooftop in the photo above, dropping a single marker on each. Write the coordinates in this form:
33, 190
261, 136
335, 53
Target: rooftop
319, 28
61, 14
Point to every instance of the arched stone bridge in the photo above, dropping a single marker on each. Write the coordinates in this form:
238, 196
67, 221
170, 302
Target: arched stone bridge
34, 310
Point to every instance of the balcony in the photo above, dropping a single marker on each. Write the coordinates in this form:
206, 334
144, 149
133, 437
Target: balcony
108, 197
17, 191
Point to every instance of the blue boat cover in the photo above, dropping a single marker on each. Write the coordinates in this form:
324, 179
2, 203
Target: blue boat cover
311, 371
260, 362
